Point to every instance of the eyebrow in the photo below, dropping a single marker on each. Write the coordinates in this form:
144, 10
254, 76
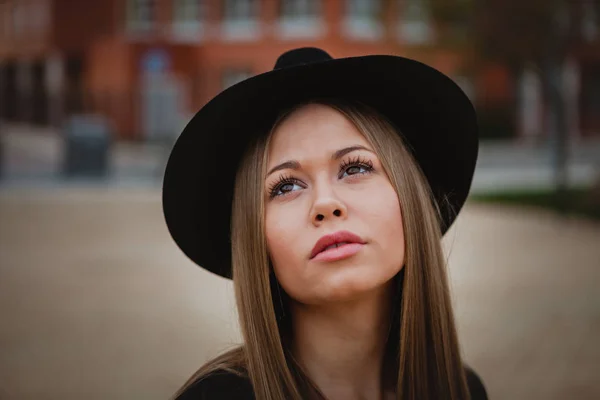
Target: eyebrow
293, 164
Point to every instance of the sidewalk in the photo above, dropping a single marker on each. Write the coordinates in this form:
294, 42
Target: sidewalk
34, 156
97, 302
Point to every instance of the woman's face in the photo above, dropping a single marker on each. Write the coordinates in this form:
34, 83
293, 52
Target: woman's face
322, 186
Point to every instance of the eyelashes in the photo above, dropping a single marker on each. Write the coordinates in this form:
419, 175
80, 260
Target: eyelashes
355, 162
282, 181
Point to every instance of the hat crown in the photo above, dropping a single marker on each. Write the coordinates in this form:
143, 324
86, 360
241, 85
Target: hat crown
300, 56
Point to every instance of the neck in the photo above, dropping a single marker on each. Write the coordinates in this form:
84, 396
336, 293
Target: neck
341, 346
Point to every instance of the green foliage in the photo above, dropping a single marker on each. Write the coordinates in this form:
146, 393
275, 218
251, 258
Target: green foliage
524, 31
516, 32
455, 21
576, 201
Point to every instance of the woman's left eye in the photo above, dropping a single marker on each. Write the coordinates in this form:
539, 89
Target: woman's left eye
355, 168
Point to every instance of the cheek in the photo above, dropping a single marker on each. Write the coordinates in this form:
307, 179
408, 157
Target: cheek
283, 239
385, 220
281, 235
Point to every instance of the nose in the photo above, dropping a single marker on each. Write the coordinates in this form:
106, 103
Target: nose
325, 208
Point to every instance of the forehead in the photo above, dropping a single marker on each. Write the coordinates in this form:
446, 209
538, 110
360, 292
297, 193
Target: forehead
313, 130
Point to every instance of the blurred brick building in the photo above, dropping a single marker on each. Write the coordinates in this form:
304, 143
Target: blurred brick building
149, 64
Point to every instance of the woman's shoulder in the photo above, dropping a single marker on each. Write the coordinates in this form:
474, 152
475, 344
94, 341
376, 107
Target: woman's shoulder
475, 385
219, 385
229, 385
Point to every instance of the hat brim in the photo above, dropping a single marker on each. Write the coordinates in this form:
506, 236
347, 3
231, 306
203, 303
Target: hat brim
432, 112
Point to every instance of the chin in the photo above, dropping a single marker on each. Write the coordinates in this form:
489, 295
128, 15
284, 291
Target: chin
346, 285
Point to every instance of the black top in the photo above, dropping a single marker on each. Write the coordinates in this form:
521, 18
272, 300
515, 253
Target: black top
226, 385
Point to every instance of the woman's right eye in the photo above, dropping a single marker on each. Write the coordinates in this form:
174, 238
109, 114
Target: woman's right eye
283, 187
286, 187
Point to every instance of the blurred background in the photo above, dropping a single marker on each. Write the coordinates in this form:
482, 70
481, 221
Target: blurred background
97, 301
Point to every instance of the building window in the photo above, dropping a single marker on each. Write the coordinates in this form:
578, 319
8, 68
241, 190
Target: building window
241, 19
231, 76
301, 19
240, 10
188, 10
189, 19
415, 22
40, 16
362, 19
141, 15
300, 8
18, 17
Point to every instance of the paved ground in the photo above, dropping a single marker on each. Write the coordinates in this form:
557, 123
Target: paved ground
96, 302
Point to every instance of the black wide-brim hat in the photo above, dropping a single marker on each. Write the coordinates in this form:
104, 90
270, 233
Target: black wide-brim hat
433, 114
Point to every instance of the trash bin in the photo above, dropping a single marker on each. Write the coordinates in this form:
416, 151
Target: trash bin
87, 146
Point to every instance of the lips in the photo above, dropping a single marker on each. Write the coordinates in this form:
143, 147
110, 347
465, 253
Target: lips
335, 239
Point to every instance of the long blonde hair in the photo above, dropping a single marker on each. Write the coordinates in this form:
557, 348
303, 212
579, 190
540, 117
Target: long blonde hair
423, 348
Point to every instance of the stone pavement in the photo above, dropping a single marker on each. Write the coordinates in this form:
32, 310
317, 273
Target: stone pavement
97, 302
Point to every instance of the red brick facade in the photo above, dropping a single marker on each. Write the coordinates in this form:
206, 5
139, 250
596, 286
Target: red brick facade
101, 48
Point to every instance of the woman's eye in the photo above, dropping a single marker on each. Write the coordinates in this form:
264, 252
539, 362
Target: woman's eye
288, 184
285, 188
356, 169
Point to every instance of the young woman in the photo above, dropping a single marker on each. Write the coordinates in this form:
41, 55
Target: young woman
323, 188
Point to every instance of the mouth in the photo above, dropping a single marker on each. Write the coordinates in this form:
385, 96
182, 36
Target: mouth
335, 246
338, 244
338, 251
